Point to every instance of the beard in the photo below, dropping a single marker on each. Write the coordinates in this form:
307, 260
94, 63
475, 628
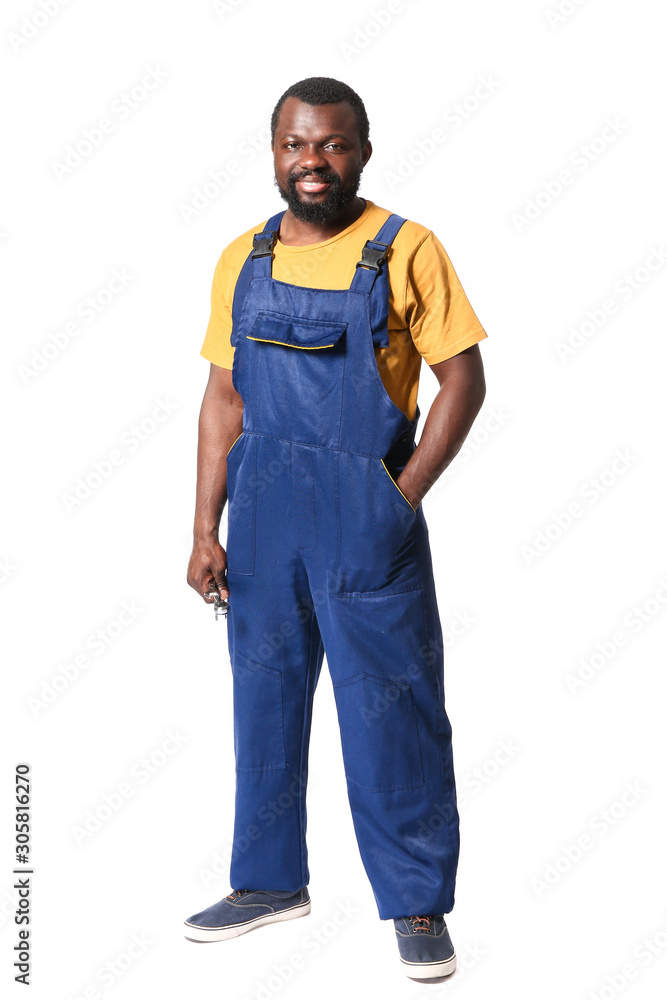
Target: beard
323, 211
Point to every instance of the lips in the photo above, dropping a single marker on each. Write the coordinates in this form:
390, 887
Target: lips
312, 185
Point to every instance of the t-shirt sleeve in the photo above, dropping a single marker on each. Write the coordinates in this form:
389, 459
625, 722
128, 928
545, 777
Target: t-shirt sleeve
217, 346
441, 320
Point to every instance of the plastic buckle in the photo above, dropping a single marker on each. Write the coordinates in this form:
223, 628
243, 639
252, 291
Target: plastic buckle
371, 256
263, 244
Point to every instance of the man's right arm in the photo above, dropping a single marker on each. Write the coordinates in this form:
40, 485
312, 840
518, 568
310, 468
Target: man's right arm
220, 423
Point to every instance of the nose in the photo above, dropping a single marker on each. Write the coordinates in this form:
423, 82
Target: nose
312, 159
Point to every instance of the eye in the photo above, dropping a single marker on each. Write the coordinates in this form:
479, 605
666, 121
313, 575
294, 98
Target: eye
293, 143
335, 145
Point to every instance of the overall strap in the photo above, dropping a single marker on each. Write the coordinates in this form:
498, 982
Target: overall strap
371, 276
257, 265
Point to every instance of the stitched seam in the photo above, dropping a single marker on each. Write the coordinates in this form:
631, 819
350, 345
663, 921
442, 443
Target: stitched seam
339, 530
398, 487
389, 788
372, 595
434, 677
427, 633
414, 783
234, 442
380, 387
286, 343
259, 770
302, 790
335, 324
342, 398
271, 672
411, 260
318, 447
241, 923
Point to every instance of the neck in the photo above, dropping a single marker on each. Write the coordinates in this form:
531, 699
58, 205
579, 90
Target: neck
295, 232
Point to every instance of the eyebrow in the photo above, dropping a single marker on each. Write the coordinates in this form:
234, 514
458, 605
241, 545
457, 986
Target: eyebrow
332, 135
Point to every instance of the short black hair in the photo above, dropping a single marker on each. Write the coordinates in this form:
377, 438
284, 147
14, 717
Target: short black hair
325, 90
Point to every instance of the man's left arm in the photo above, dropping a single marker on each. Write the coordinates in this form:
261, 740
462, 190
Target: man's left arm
452, 413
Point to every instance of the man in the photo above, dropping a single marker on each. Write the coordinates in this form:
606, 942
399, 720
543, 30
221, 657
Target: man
320, 318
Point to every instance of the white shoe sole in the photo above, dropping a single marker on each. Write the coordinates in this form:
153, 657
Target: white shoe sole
429, 970
195, 933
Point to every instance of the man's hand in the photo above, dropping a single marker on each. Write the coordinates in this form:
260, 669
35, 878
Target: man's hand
461, 394
207, 569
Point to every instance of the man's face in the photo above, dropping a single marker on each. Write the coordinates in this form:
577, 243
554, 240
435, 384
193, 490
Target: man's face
318, 158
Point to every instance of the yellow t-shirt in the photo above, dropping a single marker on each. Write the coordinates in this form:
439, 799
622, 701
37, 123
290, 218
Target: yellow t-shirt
430, 316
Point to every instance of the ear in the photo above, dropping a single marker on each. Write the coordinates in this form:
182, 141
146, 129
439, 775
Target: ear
366, 153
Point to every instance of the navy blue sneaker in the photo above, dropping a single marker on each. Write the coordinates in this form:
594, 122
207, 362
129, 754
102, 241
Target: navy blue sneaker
425, 947
243, 910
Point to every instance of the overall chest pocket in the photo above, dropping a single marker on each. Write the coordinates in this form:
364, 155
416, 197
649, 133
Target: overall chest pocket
296, 367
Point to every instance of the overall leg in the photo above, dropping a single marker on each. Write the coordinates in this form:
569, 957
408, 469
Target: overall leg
385, 653
276, 654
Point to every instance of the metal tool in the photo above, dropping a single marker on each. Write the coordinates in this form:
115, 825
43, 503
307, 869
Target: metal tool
221, 607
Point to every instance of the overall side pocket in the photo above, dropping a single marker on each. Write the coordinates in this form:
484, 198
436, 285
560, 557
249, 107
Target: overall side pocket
241, 505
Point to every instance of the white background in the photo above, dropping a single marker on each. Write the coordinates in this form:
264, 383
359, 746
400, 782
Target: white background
528, 920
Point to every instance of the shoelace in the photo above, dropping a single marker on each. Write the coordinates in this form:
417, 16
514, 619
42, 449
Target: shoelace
421, 924
237, 893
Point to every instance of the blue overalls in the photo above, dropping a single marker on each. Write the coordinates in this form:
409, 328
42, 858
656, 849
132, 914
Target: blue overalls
326, 554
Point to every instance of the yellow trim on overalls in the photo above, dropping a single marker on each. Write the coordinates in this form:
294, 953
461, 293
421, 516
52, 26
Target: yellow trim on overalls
396, 485
234, 442
299, 347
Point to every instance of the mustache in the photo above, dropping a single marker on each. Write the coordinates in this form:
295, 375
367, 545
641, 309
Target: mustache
314, 175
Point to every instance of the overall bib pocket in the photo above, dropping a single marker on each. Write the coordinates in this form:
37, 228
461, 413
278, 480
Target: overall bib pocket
294, 358
241, 505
